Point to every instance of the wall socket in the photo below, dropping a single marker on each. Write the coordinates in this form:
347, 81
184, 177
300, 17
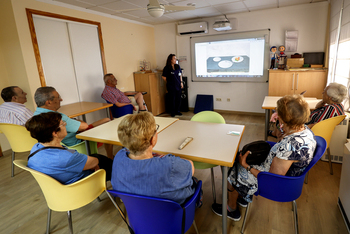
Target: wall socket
218, 99
228, 99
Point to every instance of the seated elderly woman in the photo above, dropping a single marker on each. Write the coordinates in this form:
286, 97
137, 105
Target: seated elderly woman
290, 156
330, 106
137, 170
51, 158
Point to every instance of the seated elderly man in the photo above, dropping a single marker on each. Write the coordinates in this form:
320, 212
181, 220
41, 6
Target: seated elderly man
13, 110
48, 100
113, 95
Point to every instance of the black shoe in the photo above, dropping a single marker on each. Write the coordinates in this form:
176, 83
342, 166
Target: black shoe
242, 202
178, 113
172, 115
234, 215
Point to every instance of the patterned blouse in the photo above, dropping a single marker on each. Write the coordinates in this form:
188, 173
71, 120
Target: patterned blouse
299, 146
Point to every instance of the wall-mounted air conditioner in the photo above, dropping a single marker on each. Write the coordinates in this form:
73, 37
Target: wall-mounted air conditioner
192, 28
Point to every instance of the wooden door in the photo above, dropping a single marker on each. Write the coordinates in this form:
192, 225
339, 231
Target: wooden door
142, 84
313, 82
281, 83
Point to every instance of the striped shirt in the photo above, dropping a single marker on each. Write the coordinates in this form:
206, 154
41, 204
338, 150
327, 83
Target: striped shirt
114, 95
14, 113
326, 112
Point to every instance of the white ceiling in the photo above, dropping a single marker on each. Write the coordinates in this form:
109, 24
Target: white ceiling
204, 8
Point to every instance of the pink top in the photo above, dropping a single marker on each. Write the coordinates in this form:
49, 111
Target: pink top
114, 95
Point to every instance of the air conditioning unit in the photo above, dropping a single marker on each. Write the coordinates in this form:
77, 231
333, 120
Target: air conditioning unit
339, 138
193, 28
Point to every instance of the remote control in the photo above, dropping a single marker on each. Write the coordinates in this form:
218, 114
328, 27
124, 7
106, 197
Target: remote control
185, 142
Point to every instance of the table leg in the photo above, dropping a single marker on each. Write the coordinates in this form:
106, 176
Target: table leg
108, 115
87, 145
84, 118
267, 115
224, 200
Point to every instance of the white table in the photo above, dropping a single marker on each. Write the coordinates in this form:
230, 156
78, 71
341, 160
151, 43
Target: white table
211, 144
107, 133
270, 103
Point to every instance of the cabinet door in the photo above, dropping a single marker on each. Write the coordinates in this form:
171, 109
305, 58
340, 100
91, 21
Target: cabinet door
313, 82
142, 84
281, 83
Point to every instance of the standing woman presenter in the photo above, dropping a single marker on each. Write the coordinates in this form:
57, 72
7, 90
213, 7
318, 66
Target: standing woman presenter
173, 76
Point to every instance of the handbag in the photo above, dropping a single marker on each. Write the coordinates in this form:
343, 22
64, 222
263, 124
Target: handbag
259, 150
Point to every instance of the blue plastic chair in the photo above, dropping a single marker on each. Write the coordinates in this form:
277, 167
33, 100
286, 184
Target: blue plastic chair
120, 111
157, 215
286, 188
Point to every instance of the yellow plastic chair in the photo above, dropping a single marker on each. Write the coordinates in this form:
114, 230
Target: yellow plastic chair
325, 129
81, 147
209, 117
69, 197
19, 139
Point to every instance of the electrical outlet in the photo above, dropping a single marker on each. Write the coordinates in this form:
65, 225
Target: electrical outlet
218, 99
228, 99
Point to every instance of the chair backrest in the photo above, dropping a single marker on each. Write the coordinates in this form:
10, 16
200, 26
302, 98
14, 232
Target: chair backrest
18, 137
287, 188
209, 117
61, 197
81, 147
326, 127
156, 215
120, 111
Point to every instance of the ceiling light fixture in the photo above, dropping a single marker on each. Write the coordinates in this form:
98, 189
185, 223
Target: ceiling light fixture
155, 11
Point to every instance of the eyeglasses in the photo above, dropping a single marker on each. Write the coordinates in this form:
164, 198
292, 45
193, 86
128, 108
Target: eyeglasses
62, 124
157, 127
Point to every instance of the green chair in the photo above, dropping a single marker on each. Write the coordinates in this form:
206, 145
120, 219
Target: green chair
81, 147
210, 117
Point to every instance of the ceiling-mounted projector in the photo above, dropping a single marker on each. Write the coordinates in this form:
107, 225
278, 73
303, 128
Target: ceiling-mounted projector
222, 25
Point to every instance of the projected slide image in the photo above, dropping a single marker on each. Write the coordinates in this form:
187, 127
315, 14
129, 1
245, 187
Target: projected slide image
228, 64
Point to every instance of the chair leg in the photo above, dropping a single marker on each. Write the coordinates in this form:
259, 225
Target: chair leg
330, 160
245, 218
195, 226
13, 165
296, 226
213, 185
69, 214
48, 221
306, 180
98, 199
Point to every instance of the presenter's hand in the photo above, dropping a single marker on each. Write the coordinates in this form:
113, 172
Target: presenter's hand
182, 85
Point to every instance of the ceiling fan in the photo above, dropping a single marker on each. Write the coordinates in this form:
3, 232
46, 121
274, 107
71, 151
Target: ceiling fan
155, 9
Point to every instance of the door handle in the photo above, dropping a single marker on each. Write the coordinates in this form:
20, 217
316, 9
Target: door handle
297, 81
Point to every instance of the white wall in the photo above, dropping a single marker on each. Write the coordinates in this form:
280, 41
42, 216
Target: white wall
309, 19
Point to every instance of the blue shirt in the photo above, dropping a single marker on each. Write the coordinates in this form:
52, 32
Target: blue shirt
66, 166
173, 81
167, 177
72, 126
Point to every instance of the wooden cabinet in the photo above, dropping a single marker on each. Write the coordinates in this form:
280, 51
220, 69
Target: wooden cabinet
294, 82
155, 87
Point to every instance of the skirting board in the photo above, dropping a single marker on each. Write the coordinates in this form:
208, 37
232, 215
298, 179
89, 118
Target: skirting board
345, 217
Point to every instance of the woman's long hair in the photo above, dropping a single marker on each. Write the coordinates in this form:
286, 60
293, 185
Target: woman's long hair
168, 62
